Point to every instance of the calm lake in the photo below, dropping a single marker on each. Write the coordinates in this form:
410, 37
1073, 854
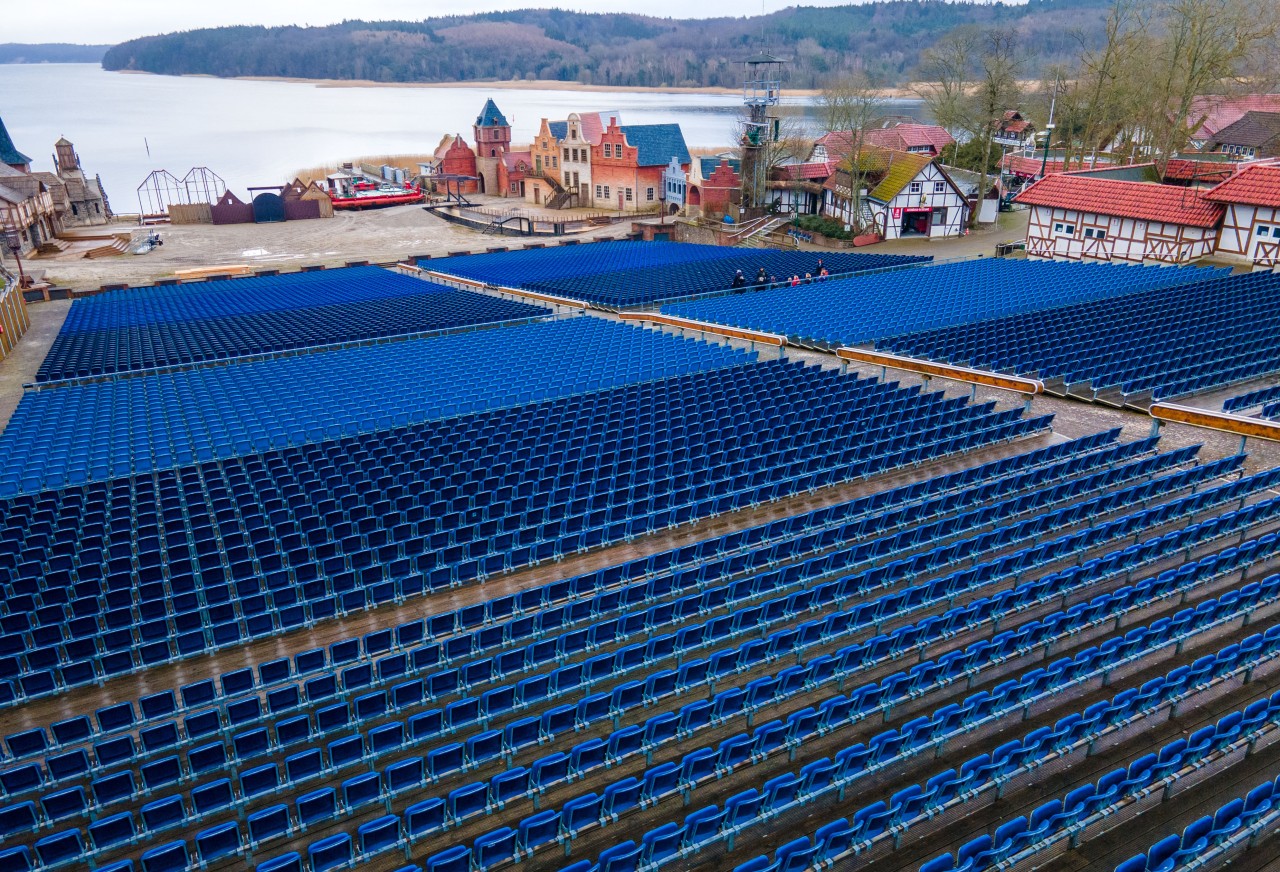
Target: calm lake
261, 133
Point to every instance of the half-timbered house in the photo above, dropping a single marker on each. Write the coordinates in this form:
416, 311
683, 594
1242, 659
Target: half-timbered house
1251, 220
906, 195
1083, 216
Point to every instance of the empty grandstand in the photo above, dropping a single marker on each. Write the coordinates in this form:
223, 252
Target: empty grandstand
619, 275
566, 593
1163, 342
175, 326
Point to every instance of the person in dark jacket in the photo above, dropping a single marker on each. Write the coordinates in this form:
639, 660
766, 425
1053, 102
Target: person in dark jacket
739, 281
762, 279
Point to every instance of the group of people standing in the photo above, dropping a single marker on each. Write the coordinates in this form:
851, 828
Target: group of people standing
764, 281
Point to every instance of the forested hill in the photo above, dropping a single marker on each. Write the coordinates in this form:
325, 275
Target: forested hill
613, 49
50, 53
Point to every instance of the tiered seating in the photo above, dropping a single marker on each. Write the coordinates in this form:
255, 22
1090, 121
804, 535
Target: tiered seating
1262, 396
91, 432
709, 702
622, 274
1213, 838
864, 308
1168, 341
178, 325
112, 576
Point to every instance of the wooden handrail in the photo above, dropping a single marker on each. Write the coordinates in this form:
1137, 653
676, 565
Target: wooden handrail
705, 327
1223, 421
519, 292
943, 370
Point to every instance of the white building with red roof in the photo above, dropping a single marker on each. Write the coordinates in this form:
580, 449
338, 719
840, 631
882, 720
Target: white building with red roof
1116, 215
1251, 221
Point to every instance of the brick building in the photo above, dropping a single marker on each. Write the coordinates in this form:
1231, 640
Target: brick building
627, 165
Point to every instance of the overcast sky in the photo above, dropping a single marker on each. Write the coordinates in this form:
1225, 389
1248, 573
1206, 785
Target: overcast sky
111, 21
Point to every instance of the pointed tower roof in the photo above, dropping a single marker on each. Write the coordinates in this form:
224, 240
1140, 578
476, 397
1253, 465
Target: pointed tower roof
62, 140
9, 153
491, 116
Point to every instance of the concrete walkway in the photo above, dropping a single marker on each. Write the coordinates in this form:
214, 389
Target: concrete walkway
20, 367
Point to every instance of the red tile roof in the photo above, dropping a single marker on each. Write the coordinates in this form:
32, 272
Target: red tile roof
1141, 200
806, 171
1218, 112
1189, 169
900, 137
1257, 185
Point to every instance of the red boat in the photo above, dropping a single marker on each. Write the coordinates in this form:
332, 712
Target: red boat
368, 195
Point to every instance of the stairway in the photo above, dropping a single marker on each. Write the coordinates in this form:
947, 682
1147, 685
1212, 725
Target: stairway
118, 245
53, 246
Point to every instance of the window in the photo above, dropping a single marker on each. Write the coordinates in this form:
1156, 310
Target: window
628, 195
606, 192
598, 194
608, 149
917, 187
1095, 233
1262, 229
1066, 229
939, 187
568, 179
566, 155
649, 194
555, 161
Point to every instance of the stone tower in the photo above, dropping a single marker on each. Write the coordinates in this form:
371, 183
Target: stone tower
493, 141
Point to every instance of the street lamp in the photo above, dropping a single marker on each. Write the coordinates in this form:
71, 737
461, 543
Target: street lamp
1044, 160
1048, 130
13, 242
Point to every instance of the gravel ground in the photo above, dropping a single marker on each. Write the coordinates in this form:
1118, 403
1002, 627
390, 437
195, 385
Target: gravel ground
377, 235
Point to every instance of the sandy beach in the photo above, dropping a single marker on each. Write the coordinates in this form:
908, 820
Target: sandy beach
907, 92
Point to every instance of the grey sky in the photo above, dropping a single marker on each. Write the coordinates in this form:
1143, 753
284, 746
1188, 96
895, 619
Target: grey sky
110, 21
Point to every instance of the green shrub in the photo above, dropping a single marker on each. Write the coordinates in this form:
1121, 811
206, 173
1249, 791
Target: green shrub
828, 227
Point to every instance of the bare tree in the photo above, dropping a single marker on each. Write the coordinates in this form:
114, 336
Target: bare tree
1106, 77
851, 105
997, 90
1201, 47
948, 78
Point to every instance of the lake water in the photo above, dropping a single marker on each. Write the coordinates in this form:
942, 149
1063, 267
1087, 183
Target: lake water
262, 133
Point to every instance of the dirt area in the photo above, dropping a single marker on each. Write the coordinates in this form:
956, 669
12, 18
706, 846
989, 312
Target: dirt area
376, 235
20, 367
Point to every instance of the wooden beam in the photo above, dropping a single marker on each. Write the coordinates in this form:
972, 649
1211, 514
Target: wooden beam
1256, 428
705, 327
943, 370
503, 289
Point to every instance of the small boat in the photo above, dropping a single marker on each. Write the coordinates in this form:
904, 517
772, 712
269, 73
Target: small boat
369, 195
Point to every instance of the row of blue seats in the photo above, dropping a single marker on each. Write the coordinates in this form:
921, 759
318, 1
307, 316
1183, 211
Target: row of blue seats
217, 608
787, 471
142, 307
19, 644
649, 285
861, 309
1168, 340
96, 431
406, 771
420, 307
1231, 824
673, 841
164, 737
1252, 398
1023, 837
948, 792
501, 623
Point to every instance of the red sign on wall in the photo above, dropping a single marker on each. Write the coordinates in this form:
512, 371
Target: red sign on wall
897, 212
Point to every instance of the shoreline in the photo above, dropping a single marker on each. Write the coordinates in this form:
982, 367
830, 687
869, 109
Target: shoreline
896, 94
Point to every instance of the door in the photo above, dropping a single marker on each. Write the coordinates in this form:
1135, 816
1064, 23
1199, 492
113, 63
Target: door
916, 223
